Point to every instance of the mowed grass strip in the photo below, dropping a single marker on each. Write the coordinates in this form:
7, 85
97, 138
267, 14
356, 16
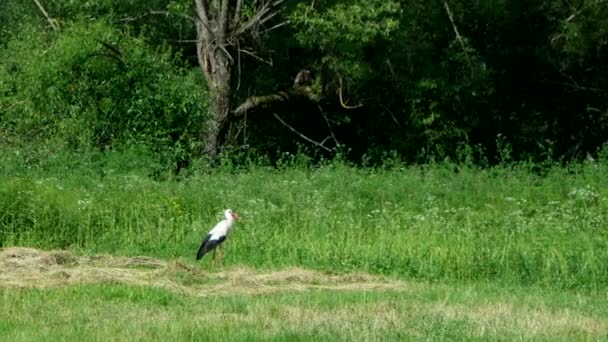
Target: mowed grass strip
57, 295
121, 312
26, 267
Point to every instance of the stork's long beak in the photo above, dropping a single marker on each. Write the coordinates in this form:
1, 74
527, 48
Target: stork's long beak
236, 216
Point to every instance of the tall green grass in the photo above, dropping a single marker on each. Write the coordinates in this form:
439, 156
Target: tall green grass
437, 222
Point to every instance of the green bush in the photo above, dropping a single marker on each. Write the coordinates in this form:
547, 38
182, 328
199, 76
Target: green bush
94, 87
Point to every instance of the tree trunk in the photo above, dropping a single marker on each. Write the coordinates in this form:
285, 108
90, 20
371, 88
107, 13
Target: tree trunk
216, 64
221, 92
220, 25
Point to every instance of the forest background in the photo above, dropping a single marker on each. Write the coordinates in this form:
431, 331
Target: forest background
418, 81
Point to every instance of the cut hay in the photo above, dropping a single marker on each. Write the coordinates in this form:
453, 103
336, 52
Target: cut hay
27, 267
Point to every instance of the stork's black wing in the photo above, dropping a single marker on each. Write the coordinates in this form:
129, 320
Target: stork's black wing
201, 249
208, 245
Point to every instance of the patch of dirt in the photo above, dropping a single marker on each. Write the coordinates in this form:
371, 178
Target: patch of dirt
27, 267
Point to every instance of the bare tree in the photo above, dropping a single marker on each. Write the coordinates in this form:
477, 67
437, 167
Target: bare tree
221, 25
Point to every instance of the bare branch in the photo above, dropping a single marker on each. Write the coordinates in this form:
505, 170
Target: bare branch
572, 17
223, 21
300, 134
272, 100
267, 12
256, 56
392, 115
259, 101
457, 33
205, 37
238, 58
574, 85
342, 103
584, 7
245, 129
454, 27
227, 53
281, 24
268, 17
54, 24
201, 13
331, 132
236, 19
205, 34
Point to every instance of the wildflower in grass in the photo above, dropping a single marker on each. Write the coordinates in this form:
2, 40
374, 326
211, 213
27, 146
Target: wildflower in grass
419, 217
587, 194
176, 206
84, 203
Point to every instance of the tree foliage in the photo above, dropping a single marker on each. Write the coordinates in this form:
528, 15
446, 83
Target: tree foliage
91, 86
421, 79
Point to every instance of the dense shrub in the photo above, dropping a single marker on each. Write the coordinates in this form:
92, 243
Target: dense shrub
94, 87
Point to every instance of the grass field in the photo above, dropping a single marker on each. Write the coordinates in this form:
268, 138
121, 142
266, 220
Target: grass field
430, 252
63, 296
428, 223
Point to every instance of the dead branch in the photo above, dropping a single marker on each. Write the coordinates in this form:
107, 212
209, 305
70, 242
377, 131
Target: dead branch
238, 67
573, 16
324, 140
281, 97
300, 134
261, 101
331, 131
281, 24
584, 7
245, 130
454, 27
392, 115
342, 103
247, 52
237, 14
228, 55
223, 24
268, 11
457, 33
54, 24
201, 12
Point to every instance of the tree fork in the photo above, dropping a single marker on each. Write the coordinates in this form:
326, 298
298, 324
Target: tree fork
219, 30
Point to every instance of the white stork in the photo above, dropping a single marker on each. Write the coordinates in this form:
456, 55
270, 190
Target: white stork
217, 235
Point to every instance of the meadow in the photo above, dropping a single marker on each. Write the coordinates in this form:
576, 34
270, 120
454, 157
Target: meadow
497, 252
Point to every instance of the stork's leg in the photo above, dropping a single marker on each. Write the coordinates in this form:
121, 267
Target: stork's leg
213, 259
219, 254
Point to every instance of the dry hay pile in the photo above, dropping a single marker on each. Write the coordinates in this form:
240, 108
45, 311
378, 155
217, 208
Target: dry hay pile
27, 267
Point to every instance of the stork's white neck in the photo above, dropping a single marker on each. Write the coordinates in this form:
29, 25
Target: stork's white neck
228, 216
